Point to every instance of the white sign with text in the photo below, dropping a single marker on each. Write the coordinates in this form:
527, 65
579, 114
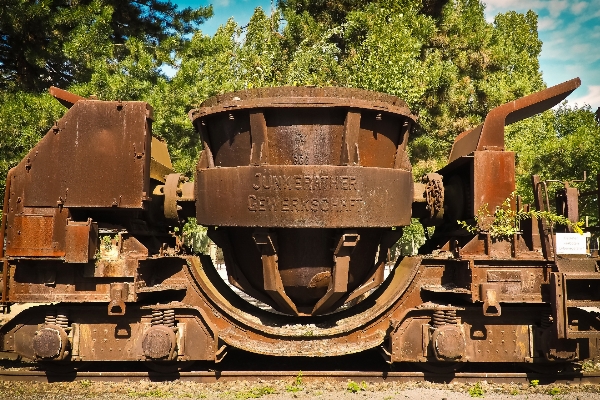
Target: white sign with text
570, 243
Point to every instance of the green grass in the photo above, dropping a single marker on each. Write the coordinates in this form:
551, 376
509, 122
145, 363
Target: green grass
255, 392
554, 391
296, 386
156, 393
354, 387
476, 391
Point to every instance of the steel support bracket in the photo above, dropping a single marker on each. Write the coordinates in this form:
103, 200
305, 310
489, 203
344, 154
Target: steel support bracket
118, 295
490, 293
338, 286
267, 245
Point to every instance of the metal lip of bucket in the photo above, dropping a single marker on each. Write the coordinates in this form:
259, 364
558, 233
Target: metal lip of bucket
302, 97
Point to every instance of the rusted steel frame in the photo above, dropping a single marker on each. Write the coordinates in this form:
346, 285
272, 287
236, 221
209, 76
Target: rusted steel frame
3, 235
65, 98
538, 197
568, 199
490, 134
258, 134
350, 153
267, 244
339, 275
376, 275
563, 300
206, 148
234, 272
243, 328
552, 236
401, 160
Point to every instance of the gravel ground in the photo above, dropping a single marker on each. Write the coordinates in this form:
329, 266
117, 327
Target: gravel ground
279, 390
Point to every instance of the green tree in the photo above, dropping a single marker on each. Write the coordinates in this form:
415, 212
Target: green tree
559, 144
443, 58
24, 117
53, 42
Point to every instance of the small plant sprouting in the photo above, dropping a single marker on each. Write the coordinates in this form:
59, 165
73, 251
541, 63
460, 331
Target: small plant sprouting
534, 382
354, 387
296, 386
504, 221
554, 391
86, 383
106, 242
476, 390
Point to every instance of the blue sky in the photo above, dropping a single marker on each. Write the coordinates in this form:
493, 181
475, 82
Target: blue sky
569, 29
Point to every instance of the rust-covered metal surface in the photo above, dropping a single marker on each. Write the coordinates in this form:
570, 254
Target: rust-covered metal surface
490, 134
293, 159
304, 190
95, 156
305, 196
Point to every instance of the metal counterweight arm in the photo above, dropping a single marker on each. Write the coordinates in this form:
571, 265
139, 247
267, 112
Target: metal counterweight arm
490, 134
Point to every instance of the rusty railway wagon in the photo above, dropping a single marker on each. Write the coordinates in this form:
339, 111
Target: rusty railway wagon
304, 190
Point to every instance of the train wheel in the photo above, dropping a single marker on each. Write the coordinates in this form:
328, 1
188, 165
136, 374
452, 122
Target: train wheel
168, 367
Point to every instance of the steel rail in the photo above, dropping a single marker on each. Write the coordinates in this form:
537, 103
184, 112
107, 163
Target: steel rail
369, 376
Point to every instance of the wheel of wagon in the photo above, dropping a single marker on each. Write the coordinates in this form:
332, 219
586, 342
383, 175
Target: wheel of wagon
440, 367
168, 367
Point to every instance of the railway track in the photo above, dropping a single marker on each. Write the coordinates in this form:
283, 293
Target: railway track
244, 366
257, 376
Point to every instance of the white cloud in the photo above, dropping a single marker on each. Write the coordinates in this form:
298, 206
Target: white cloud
556, 7
592, 97
493, 5
222, 3
547, 24
577, 8
570, 32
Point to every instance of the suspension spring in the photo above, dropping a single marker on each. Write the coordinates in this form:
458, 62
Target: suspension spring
169, 318
450, 316
443, 317
62, 319
157, 317
438, 318
50, 319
